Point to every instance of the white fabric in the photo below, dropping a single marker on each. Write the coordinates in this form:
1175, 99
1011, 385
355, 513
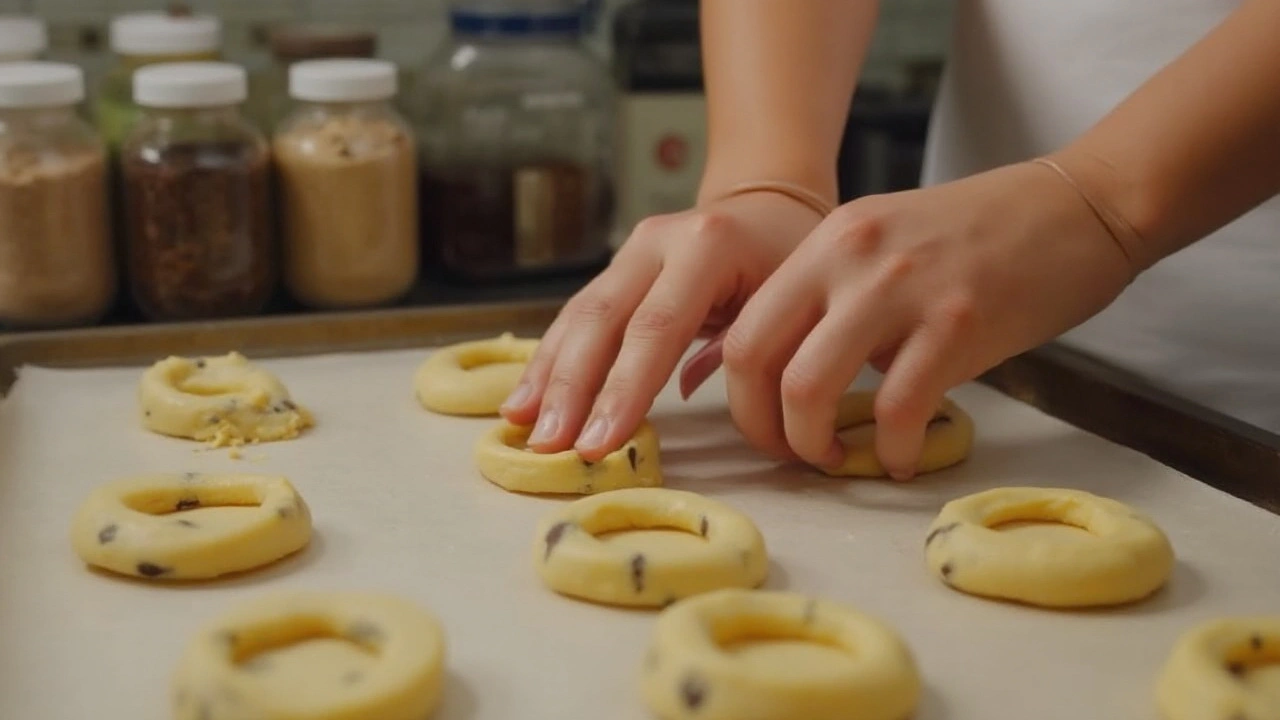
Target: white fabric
1025, 77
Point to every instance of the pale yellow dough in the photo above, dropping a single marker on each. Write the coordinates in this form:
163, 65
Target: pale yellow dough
472, 378
309, 655
1223, 669
947, 441
190, 527
503, 458
1123, 556
223, 401
695, 668
572, 560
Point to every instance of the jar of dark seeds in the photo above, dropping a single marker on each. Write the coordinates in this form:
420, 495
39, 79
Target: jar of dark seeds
197, 196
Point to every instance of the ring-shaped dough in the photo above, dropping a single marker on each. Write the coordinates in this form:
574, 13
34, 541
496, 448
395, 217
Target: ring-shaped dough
472, 378
571, 560
217, 678
1207, 675
689, 675
224, 400
948, 437
503, 458
190, 527
1124, 558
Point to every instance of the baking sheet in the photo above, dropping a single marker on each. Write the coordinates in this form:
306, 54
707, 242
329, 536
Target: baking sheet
399, 507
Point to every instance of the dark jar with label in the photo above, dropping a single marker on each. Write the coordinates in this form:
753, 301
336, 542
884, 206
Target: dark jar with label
197, 190
514, 121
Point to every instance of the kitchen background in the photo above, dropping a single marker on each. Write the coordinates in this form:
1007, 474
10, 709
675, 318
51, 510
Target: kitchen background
651, 115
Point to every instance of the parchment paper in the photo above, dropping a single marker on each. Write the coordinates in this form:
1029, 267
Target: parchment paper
399, 507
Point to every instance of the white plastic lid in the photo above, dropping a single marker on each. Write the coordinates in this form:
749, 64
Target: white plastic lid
353, 80
40, 84
163, 34
190, 85
20, 35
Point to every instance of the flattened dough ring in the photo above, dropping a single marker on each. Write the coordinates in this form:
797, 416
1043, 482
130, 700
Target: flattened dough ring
224, 400
502, 458
947, 440
472, 378
1126, 558
216, 678
1205, 677
687, 674
571, 560
173, 527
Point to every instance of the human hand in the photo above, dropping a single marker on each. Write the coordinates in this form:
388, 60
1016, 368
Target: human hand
933, 287
615, 344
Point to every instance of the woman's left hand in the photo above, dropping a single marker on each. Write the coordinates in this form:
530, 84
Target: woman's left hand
931, 286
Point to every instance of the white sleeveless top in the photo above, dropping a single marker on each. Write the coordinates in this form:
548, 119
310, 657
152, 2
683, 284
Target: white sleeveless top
1023, 78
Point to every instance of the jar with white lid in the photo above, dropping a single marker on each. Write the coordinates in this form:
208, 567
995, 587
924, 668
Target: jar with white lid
56, 258
514, 119
22, 38
197, 195
149, 38
346, 166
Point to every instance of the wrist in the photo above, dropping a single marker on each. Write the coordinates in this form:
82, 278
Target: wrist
720, 180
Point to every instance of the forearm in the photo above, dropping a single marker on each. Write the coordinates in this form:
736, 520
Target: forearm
1197, 145
779, 78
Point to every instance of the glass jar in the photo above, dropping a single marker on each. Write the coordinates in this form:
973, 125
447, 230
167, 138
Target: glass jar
269, 91
142, 39
197, 195
347, 169
56, 258
22, 38
514, 118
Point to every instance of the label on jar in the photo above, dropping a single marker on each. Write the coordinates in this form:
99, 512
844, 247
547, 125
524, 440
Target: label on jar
662, 152
551, 202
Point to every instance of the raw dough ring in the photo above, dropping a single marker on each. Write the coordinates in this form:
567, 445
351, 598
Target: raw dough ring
1127, 558
947, 439
1205, 675
128, 526
502, 458
688, 675
224, 400
572, 561
472, 378
215, 681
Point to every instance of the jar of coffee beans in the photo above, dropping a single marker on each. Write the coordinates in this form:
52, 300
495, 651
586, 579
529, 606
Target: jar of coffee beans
197, 191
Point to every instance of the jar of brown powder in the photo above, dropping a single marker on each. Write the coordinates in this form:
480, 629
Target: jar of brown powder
347, 168
56, 259
197, 195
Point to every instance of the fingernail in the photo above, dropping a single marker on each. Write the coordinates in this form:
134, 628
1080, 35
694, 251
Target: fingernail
593, 436
900, 475
518, 396
548, 424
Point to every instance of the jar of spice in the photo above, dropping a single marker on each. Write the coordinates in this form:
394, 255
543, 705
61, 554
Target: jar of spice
22, 38
197, 192
56, 258
293, 43
514, 118
347, 169
142, 39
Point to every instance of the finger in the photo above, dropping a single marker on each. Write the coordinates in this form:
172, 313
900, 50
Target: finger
822, 369
701, 365
595, 321
926, 367
521, 406
757, 348
657, 335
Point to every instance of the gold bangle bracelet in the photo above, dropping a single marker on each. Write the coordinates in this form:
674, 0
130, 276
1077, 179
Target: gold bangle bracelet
811, 199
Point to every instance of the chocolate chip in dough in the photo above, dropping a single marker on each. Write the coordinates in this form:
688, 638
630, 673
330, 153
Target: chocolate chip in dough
703, 527
230, 638
200, 364
187, 504
946, 570
187, 524
1236, 669
284, 512
147, 413
190, 477
289, 404
151, 570
1255, 642
693, 692
107, 534
214, 419
939, 532
554, 535
631, 457
637, 572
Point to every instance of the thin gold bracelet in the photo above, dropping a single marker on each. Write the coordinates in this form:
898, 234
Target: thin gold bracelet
802, 194
1109, 219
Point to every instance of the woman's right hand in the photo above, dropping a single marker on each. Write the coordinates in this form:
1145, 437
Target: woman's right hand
615, 344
